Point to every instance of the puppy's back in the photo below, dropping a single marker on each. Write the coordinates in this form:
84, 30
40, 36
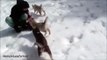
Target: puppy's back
41, 40
39, 37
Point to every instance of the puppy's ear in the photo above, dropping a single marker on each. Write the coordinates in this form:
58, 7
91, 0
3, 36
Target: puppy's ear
40, 5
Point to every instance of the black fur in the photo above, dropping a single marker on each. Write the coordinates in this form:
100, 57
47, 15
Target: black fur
41, 40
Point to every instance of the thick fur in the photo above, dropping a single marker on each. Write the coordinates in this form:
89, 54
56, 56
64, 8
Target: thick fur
42, 26
43, 48
45, 56
38, 9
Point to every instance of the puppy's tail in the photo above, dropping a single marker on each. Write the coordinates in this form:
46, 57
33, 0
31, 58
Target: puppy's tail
45, 20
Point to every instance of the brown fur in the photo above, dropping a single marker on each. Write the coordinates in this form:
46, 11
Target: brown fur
38, 9
41, 42
42, 26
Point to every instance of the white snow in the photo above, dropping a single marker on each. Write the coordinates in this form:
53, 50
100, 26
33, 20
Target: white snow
78, 31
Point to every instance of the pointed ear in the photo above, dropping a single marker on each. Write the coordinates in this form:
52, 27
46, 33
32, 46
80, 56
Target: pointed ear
40, 5
32, 5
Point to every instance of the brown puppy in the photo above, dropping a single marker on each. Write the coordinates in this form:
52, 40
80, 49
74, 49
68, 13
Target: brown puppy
38, 9
43, 48
42, 26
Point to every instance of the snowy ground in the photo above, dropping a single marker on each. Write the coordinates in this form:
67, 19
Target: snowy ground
78, 31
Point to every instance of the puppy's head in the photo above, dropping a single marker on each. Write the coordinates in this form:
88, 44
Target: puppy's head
34, 6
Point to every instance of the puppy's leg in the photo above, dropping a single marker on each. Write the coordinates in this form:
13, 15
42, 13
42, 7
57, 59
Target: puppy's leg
34, 11
49, 31
45, 32
49, 52
51, 57
36, 43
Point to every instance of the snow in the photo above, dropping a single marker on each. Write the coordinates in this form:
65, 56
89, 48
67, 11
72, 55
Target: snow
78, 31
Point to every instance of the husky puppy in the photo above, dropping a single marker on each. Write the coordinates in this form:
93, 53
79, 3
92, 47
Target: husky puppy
43, 49
38, 9
42, 25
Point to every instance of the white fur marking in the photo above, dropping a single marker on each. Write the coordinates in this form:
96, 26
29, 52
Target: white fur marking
45, 56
